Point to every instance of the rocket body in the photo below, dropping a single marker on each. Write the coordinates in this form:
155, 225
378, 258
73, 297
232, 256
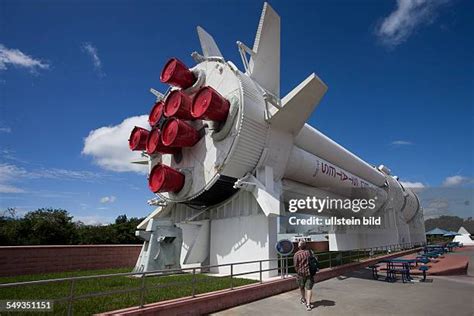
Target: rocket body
231, 154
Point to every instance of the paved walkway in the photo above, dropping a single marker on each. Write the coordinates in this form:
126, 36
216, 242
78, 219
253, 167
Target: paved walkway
358, 294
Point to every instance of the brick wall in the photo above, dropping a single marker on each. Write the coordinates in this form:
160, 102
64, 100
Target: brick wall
316, 246
18, 260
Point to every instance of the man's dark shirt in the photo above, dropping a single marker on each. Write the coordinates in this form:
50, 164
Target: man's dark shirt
300, 259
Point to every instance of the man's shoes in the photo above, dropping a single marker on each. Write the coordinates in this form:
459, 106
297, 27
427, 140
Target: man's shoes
309, 307
303, 301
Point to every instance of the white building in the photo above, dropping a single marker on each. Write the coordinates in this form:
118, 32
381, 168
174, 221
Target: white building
464, 237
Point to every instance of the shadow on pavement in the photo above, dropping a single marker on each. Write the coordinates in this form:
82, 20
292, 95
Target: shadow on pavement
360, 274
366, 274
323, 303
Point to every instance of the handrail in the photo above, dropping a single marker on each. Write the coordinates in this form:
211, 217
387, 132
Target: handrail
283, 267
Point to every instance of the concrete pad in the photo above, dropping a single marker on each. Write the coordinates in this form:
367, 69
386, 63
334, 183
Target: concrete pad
354, 295
357, 293
448, 264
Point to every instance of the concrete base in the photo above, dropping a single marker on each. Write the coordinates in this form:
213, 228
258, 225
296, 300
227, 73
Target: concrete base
241, 239
392, 231
238, 230
235, 231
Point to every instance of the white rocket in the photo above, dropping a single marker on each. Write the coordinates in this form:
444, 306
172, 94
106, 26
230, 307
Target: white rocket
219, 130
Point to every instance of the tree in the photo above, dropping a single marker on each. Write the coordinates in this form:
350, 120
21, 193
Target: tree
9, 227
95, 235
55, 226
469, 225
452, 223
47, 227
122, 231
125, 229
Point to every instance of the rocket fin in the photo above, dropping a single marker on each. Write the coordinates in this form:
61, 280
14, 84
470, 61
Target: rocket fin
264, 65
267, 201
140, 162
298, 105
196, 238
266, 198
208, 45
160, 211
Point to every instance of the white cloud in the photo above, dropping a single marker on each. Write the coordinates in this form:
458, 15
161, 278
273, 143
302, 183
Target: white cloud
416, 187
455, 181
5, 130
409, 14
8, 171
93, 219
55, 173
93, 53
107, 199
16, 58
8, 154
412, 185
436, 208
11, 174
7, 188
401, 143
108, 146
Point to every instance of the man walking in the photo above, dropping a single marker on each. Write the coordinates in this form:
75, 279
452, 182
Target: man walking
304, 278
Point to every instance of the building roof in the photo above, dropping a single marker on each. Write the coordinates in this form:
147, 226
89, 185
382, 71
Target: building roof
437, 231
450, 234
463, 231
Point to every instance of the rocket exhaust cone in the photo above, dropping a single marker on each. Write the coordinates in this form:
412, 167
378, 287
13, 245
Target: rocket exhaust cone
208, 104
156, 113
154, 144
177, 74
138, 138
177, 133
165, 179
178, 104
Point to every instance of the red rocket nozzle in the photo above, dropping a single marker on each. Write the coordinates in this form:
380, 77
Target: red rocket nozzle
177, 133
138, 137
178, 104
156, 113
177, 74
165, 179
154, 144
210, 105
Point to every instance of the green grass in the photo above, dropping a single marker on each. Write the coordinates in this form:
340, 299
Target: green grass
88, 306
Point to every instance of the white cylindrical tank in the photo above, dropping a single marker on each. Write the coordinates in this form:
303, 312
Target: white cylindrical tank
412, 205
315, 142
309, 169
312, 170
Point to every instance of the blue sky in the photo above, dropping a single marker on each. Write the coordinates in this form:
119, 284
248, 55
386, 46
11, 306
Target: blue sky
74, 76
